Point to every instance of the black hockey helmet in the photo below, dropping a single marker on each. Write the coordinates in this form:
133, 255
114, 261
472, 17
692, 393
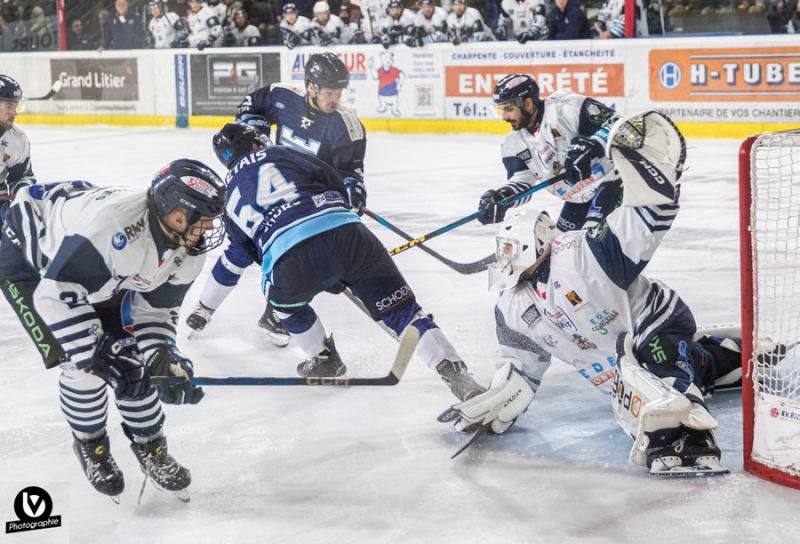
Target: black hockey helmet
327, 70
10, 91
236, 139
193, 186
515, 88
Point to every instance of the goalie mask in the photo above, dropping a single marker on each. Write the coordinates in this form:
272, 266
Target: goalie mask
521, 241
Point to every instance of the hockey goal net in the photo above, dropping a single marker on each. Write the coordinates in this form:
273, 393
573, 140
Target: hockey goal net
769, 187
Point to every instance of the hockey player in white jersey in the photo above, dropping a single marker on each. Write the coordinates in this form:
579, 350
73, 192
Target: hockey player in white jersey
465, 24
328, 27
526, 19
205, 29
565, 132
15, 148
242, 33
163, 27
430, 24
397, 26
581, 297
295, 28
97, 277
610, 21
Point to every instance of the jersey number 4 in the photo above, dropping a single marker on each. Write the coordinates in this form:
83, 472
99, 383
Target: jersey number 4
273, 189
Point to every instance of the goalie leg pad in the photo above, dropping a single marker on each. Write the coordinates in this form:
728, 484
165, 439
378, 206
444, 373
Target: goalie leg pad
507, 387
649, 151
643, 404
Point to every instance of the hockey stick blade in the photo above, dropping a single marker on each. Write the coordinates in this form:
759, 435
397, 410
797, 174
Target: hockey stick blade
408, 343
461, 268
51, 93
485, 426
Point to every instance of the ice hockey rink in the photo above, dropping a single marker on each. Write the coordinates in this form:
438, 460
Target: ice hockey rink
372, 464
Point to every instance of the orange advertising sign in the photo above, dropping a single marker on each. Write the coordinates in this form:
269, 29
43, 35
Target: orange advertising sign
595, 80
758, 74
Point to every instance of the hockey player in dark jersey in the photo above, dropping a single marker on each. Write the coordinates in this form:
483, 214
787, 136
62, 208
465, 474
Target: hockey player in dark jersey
315, 122
307, 239
15, 148
97, 277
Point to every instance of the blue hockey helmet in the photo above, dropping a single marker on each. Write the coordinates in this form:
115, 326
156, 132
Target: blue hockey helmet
235, 140
327, 70
515, 88
194, 187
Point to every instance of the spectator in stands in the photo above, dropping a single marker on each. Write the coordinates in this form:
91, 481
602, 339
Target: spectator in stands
123, 31
97, 32
40, 30
2, 32
77, 40
568, 22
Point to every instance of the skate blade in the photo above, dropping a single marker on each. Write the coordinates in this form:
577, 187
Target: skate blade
703, 466
180, 494
114, 498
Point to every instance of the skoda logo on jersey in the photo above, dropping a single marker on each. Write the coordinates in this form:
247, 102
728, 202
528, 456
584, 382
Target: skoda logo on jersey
119, 240
669, 75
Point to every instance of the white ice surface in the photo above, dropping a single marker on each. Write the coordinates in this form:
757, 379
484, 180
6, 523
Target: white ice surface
372, 465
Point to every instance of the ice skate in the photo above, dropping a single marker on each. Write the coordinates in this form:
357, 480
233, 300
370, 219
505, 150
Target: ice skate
276, 331
199, 318
326, 364
460, 382
99, 466
161, 468
693, 453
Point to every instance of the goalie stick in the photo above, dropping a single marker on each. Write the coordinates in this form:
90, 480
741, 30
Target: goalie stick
467, 219
461, 268
485, 426
51, 93
408, 343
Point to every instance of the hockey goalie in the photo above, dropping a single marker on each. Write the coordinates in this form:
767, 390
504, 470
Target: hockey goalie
581, 297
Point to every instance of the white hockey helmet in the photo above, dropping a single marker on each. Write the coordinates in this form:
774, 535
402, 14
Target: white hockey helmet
321, 7
521, 240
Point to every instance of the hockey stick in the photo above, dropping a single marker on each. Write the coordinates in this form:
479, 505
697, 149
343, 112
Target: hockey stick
408, 343
461, 268
51, 93
467, 219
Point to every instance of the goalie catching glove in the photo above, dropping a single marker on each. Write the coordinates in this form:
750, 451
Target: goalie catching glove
168, 361
649, 153
507, 387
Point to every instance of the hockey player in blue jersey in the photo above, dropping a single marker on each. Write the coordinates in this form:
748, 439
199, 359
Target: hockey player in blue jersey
97, 277
315, 122
580, 296
289, 211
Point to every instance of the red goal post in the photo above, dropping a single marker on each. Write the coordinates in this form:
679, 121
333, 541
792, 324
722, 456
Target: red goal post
769, 200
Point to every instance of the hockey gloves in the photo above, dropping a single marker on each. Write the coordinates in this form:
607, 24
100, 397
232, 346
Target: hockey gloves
121, 368
489, 209
582, 151
168, 361
356, 193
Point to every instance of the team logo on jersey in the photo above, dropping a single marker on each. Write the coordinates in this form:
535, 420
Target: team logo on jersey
119, 240
524, 155
603, 319
550, 341
140, 282
305, 122
200, 185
